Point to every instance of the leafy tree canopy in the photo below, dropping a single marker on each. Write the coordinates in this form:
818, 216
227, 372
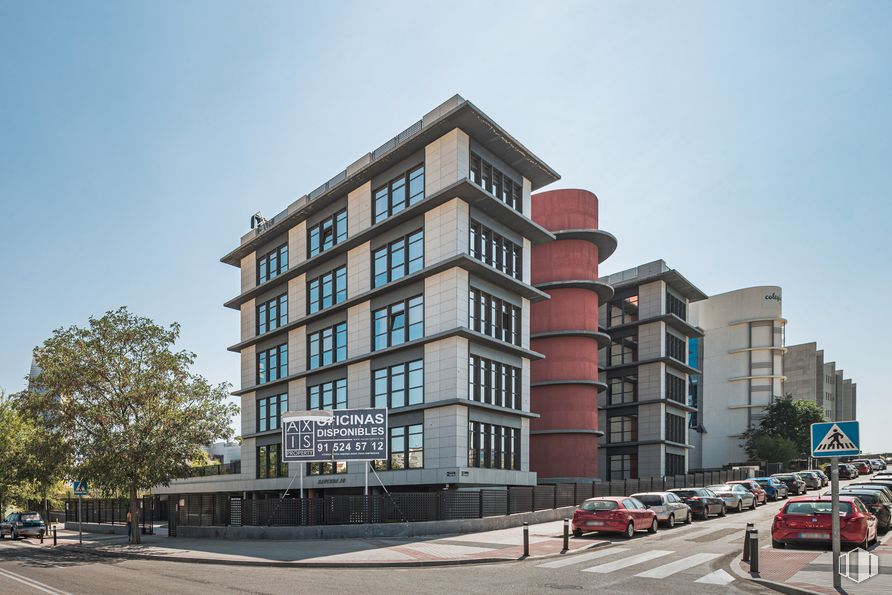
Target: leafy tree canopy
788, 424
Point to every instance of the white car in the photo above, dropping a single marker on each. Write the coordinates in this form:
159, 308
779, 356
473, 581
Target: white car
736, 496
669, 507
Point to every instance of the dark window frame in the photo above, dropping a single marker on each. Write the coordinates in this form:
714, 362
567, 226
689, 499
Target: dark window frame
264, 367
391, 314
338, 351
333, 228
279, 255
492, 446
408, 265
338, 294
406, 452
267, 422
264, 466
505, 392
265, 321
404, 182
493, 180
411, 391
494, 249
494, 316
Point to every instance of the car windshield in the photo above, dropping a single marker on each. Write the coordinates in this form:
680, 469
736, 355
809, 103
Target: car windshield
867, 498
32, 516
686, 493
599, 505
650, 499
763, 482
822, 507
718, 488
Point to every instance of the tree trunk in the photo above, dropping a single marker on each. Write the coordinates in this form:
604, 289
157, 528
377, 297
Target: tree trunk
46, 506
134, 515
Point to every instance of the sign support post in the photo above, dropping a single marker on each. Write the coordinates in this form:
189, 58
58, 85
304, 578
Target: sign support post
366, 467
80, 529
834, 512
833, 440
301, 481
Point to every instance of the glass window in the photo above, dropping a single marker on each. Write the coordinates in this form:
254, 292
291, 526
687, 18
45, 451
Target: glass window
493, 382
269, 463
399, 193
675, 347
327, 346
622, 389
270, 411
398, 323
492, 446
623, 466
622, 310
675, 305
272, 314
327, 395
398, 259
272, 264
623, 350
623, 428
272, 364
328, 232
399, 385
327, 290
675, 388
498, 252
493, 316
496, 182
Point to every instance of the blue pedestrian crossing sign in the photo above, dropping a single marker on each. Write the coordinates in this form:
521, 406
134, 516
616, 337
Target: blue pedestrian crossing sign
835, 439
81, 489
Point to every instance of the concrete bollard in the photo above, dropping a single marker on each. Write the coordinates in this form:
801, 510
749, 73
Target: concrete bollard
54, 536
746, 542
566, 536
526, 540
754, 551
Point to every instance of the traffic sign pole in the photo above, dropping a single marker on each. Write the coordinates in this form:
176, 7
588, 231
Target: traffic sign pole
80, 528
834, 522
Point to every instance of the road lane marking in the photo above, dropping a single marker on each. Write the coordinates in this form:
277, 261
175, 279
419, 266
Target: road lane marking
31, 582
677, 566
580, 558
631, 561
719, 577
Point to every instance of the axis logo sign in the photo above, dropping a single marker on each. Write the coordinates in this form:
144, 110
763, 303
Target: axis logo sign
859, 565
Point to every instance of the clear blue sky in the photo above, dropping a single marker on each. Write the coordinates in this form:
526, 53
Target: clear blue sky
137, 138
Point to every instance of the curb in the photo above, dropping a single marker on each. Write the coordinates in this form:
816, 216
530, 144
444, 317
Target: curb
329, 565
773, 585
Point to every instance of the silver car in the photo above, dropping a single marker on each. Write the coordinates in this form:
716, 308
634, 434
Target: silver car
669, 507
736, 496
811, 479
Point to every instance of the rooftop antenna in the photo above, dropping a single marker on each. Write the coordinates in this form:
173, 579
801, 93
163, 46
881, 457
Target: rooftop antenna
258, 220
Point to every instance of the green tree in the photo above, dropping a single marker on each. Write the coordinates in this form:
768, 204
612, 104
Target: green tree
774, 448
15, 433
784, 419
132, 410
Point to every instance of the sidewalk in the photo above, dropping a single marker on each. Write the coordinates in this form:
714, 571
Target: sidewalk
810, 570
546, 539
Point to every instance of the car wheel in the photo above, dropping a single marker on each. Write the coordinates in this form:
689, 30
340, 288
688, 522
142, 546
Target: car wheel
724, 511
739, 506
670, 522
653, 526
753, 507
778, 544
866, 543
630, 530
577, 532
689, 519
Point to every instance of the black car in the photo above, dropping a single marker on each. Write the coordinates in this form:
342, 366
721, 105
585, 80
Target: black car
877, 503
846, 471
873, 485
703, 502
794, 484
22, 524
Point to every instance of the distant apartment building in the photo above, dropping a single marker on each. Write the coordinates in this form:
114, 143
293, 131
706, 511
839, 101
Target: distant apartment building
645, 410
809, 377
846, 403
403, 282
743, 369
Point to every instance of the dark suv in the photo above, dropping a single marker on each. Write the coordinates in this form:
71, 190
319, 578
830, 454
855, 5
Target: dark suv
22, 524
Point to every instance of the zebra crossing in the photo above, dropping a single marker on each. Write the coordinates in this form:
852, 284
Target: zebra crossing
612, 559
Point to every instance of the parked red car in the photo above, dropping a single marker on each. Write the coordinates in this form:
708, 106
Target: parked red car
863, 468
614, 515
753, 486
806, 519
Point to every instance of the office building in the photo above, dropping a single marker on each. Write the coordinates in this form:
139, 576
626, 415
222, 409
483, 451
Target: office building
645, 410
403, 282
743, 369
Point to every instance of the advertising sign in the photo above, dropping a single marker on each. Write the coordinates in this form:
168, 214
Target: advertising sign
341, 435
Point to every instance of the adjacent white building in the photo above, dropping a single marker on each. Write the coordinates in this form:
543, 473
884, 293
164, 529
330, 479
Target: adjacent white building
743, 349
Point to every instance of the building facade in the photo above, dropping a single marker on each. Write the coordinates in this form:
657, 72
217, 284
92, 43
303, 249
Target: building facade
565, 385
808, 377
645, 411
743, 369
403, 282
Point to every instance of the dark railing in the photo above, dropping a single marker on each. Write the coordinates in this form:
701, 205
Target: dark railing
113, 511
223, 509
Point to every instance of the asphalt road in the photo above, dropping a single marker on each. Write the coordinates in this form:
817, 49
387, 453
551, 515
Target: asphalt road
687, 559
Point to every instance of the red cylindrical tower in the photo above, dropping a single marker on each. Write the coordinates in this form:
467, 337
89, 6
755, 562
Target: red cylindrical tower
565, 385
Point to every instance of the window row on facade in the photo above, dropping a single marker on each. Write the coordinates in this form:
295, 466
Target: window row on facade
493, 316
496, 250
496, 182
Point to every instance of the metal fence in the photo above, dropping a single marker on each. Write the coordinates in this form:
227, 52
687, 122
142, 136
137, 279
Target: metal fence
206, 510
112, 511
